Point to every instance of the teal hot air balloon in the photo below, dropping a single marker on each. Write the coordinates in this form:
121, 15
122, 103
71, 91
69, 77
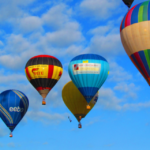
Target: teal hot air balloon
13, 106
88, 72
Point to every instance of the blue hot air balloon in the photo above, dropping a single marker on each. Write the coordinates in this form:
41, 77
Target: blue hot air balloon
88, 72
13, 106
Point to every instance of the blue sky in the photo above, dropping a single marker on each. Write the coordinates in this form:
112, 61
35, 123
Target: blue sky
66, 28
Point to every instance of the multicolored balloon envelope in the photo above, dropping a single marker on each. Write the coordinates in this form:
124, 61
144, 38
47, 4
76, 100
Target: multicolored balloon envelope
13, 106
43, 72
135, 37
75, 101
88, 72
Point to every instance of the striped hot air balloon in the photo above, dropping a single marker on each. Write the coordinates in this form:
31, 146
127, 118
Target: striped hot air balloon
13, 106
88, 72
43, 72
135, 37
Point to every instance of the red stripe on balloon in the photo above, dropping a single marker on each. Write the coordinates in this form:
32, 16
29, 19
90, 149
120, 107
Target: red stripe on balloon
27, 71
128, 17
50, 71
42, 88
137, 56
43, 56
121, 25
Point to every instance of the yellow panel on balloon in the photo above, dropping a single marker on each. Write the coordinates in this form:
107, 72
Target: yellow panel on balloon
38, 71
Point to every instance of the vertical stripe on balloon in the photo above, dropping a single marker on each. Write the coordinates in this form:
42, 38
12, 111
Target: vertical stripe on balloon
50, 71
6, 114
148, 11
140, 14
135, 61
145, 10
134, 17
128, 17
141, 64
147, 55
144, 61
123, 22
28, 75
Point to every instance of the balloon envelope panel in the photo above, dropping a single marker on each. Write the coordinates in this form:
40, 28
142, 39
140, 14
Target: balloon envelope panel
135, 37
75, 101
13, 106
88, 72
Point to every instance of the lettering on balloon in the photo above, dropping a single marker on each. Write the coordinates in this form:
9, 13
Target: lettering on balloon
16, 109
86, 68
36, 72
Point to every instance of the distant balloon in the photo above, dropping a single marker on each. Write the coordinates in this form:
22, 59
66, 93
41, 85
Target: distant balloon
135, 37
128, 2
88, 72
75, 101
13, 106
43, 72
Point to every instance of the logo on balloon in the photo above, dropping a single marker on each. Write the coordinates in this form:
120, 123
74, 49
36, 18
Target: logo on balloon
36, 72
16, 109
76, 67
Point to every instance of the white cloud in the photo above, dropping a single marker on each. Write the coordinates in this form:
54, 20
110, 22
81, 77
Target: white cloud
136, 106
11, 144
57, 16
47, 118
106, 45
3, 132
11, 78
30, 24
118, 73
99, 8
108, 100
129, 89
11, 9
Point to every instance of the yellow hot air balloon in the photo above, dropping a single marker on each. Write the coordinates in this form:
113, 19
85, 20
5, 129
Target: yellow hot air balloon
75, 101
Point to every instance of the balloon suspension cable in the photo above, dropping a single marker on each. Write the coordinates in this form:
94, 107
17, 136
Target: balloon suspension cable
79, 125
80, 117
69, 119
43, 102
10, 134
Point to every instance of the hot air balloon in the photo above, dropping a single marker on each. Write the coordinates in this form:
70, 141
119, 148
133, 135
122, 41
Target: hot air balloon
88, 72
43, 72
135, 37
13, 106
128, 2
75, 101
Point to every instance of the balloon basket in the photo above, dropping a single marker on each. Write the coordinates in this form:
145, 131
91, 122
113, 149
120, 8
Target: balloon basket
10, 135
79, 126
43, 102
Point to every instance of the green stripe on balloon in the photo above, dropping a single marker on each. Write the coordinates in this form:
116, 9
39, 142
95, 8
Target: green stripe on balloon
145, 10
140, 14
147, 55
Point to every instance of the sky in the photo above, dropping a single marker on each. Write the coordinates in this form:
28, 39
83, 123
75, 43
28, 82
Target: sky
66, 28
